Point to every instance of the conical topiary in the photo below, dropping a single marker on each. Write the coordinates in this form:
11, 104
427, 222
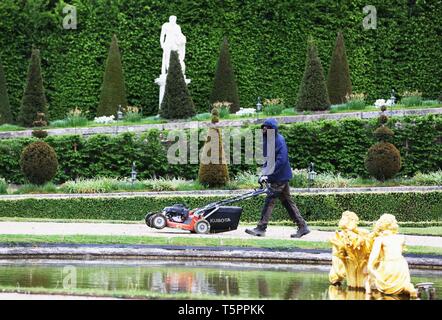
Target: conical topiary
313, 93
338, 81
34, 99
5, 107
383, 160
113, 88
39, 163
225, 88
213, 173
177, 103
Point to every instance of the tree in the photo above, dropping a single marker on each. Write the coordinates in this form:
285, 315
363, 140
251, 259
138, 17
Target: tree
213, 165
34, 99
313, 93
383, 159
113, 88
5, 108
39, 162
338, 81
224, 85
177, 103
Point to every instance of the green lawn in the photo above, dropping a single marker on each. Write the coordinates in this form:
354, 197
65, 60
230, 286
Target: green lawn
187, 241
148, 240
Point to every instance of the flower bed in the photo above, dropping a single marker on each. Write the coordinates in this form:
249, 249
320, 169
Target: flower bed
243, 180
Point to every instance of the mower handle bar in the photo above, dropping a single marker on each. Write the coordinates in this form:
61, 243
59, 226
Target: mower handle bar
244, 196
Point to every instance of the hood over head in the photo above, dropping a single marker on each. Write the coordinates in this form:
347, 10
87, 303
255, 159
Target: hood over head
272, 123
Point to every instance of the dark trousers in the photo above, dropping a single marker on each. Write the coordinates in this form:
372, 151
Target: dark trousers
280, 190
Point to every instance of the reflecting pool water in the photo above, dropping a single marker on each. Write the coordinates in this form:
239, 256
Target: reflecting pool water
185, 280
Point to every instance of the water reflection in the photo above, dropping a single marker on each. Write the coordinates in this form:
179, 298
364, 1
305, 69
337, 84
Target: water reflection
246, 281
339, 293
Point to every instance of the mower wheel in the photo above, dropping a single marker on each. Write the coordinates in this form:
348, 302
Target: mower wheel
202, 227
158, 221
148, 220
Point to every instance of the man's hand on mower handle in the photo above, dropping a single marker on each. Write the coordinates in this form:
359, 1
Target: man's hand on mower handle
263, 180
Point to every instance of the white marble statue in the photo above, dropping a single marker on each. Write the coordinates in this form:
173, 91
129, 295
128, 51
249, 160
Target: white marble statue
172, 39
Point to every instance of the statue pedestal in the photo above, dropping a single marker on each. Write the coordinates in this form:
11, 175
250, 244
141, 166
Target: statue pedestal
161, 82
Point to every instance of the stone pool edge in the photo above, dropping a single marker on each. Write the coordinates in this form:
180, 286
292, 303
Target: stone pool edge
127, 252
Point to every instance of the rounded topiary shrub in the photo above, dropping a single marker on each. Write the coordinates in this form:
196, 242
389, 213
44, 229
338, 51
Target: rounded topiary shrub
383, 161
39, 162
383, 119
215, 115
40, 134
383, 133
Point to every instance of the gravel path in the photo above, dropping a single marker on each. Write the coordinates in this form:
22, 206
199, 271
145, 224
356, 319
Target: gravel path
109, 229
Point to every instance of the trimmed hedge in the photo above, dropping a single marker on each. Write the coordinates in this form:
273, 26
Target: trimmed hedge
39, 163
313, 94
5, 107
225, 88
339, 81
409, 206
267, 38
334, 146
34, 98
177, 102
113, 88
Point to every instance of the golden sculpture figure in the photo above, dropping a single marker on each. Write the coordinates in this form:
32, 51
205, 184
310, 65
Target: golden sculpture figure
351, 249
387, 268
339, 293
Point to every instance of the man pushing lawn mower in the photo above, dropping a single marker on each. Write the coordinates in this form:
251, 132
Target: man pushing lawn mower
277, 176
219, 217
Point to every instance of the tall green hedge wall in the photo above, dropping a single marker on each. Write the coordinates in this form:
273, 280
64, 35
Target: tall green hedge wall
267, 38
335, 146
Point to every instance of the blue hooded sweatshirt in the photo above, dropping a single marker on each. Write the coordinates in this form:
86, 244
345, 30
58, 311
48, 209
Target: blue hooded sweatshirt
282, 171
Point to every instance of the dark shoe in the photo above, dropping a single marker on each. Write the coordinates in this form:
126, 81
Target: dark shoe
301, 232
256, 232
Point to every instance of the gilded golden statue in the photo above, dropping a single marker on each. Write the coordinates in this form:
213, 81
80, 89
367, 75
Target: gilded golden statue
351, 249
388, 270
340, 293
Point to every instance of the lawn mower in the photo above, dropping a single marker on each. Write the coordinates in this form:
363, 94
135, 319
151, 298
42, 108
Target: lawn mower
213, 218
